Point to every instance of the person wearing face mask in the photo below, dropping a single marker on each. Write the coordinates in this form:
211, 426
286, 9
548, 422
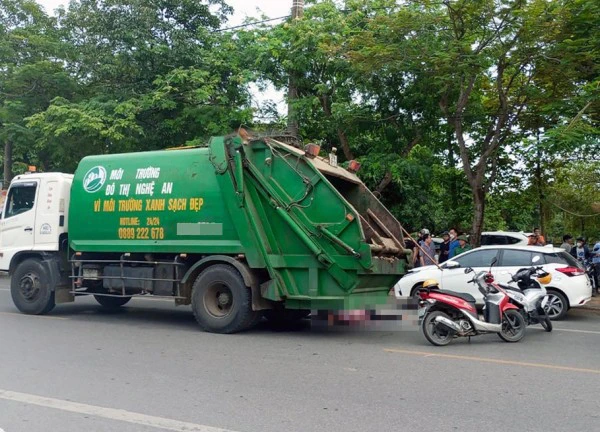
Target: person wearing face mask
454, 243
580, 251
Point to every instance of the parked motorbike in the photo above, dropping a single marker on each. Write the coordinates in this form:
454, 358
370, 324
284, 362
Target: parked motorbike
590, 270
530, 295
448, 314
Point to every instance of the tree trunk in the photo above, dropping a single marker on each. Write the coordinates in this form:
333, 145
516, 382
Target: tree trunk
8, 148
479, 211
326, 105
344, 143
387, 179
452, 164
538, 175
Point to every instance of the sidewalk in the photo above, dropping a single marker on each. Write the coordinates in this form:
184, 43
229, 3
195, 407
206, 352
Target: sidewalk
594, 303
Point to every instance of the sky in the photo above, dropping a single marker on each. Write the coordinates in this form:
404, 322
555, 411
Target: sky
242, 10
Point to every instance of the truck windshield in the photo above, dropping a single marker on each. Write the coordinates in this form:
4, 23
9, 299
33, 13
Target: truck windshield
21, 198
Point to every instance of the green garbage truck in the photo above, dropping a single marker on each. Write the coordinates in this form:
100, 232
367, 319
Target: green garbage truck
239, 229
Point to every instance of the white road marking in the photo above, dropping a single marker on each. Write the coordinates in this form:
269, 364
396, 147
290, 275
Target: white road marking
4, 289
577, 331
108, 413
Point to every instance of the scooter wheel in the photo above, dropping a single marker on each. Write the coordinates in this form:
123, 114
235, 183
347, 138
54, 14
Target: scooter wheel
546, 323
513, 326
435, 333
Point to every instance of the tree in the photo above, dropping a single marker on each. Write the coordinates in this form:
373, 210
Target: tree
31, 75
154, 74
481, 61
367, 117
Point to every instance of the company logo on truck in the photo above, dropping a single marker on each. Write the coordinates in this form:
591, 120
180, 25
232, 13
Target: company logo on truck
94, 179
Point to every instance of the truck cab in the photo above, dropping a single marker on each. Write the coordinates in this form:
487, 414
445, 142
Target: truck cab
34, 217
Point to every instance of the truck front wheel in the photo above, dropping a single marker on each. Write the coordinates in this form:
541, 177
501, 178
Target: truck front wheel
221, 302
30, 288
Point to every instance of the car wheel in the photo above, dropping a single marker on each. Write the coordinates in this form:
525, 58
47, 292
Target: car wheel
557, 306
414, 294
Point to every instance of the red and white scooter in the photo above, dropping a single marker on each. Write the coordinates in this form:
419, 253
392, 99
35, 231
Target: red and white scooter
448, 314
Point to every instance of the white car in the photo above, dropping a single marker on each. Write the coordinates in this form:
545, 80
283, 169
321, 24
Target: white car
570, 286
504, 238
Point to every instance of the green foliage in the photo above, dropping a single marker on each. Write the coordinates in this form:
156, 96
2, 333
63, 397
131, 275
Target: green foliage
575, 195
452, 107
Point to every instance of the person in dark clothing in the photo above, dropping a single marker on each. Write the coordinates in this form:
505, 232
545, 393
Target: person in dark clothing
580, 251
445, 247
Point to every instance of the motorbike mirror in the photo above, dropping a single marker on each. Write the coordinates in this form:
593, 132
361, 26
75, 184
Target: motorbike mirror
536, 259
452, 264
468, 270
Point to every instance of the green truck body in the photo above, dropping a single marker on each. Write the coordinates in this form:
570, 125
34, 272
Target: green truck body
299, 232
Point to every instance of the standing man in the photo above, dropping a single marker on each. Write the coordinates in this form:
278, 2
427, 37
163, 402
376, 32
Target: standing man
567, 243
580, 252
445, 247
463, 245
427, 258
538, 233
595, 255
454, 243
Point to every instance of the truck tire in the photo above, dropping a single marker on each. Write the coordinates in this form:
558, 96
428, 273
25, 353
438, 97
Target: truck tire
112, 302
221, 302
30, 288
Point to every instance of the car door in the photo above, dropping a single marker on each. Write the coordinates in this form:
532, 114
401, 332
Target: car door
457, 280
511, 260
18, 221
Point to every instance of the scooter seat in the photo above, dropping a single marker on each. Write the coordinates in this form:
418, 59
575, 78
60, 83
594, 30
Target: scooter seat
466, 297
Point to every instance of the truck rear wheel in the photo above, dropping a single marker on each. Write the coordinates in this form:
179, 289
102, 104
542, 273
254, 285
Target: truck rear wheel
112, 302
30, 288
221, 302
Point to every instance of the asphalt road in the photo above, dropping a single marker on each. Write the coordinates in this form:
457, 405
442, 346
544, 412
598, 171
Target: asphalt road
149, 368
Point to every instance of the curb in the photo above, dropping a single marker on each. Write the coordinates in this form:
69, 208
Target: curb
593, 304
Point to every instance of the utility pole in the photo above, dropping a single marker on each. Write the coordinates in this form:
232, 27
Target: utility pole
292, 123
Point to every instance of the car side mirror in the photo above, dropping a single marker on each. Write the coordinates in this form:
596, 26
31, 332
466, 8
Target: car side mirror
452, 264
